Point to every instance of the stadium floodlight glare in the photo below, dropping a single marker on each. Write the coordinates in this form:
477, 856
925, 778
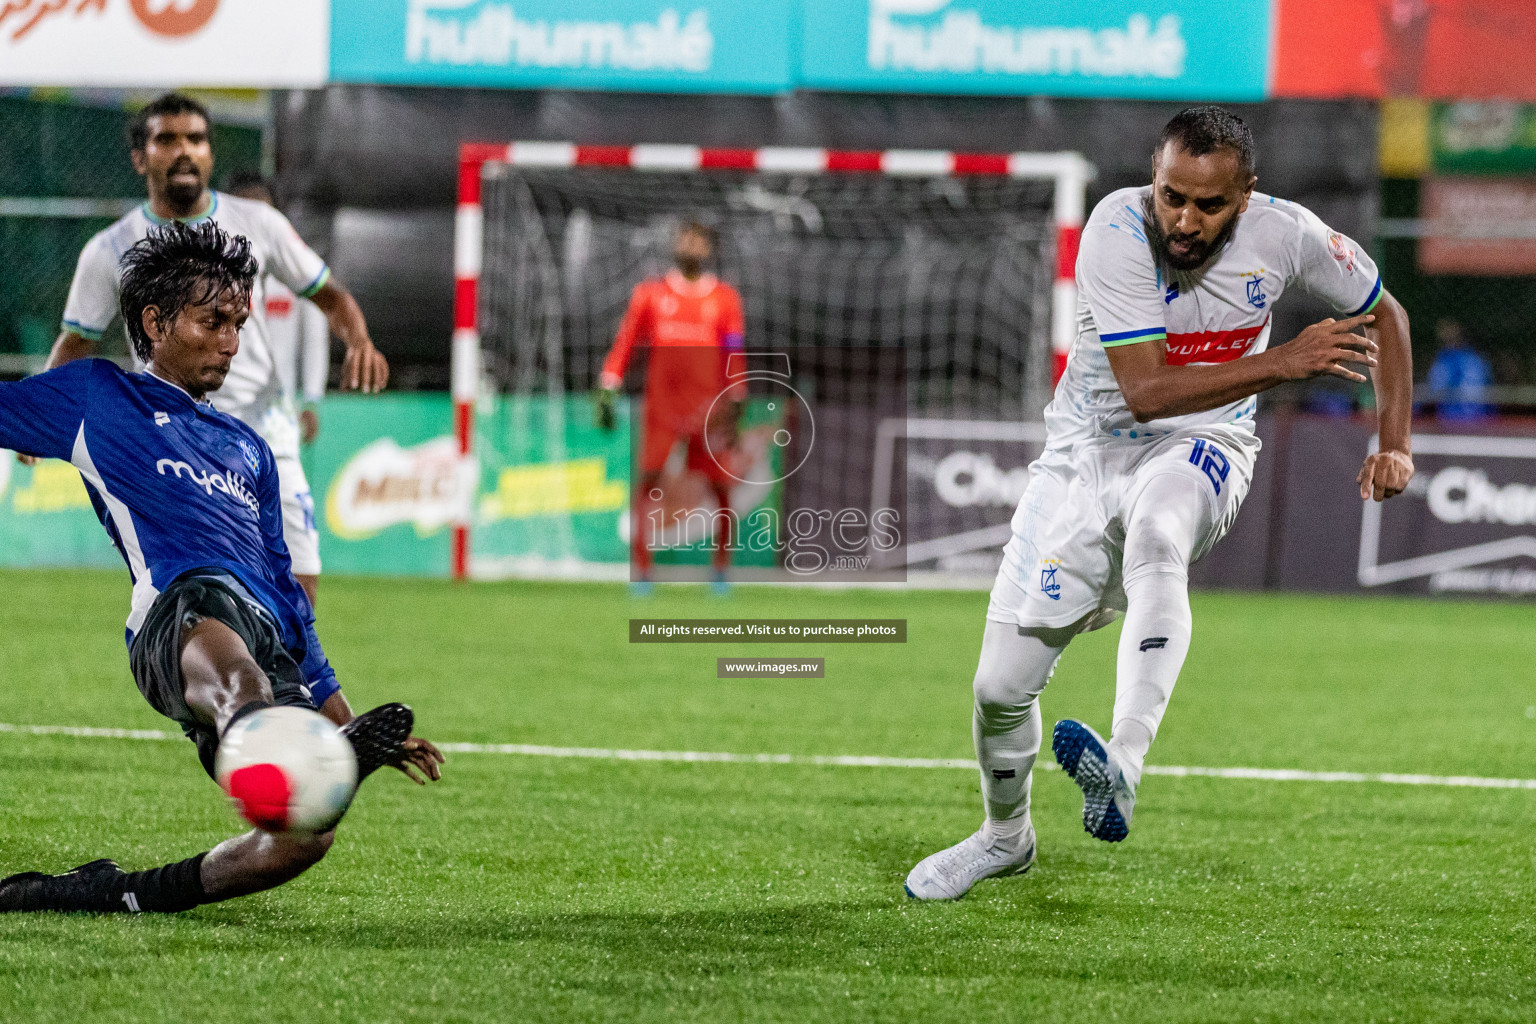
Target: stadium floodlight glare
965, 259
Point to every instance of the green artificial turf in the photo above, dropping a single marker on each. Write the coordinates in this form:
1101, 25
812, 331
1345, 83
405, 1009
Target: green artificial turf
535, 888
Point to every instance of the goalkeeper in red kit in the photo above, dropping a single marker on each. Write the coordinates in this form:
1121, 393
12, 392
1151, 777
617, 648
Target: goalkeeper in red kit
692, 321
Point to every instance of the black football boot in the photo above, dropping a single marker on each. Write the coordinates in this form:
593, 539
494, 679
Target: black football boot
96, 888
378, 737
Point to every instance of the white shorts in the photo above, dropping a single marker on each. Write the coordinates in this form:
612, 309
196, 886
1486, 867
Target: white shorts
299, 530
1062, 564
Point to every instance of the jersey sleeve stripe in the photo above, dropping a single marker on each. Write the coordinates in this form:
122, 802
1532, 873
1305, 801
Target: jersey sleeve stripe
1133, 337
1371, 299
88, 333
317, 283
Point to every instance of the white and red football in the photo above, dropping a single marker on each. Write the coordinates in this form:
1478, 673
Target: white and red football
287, 769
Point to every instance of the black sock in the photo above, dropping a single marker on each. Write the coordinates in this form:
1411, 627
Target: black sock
245, 709
165, 890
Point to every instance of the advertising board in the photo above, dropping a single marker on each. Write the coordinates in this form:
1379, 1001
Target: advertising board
657, 45
1176, 49
1466, 524
225, 43
1183, 49
1478, 225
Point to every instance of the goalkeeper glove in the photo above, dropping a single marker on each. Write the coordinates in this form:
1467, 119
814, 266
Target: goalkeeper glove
606, 416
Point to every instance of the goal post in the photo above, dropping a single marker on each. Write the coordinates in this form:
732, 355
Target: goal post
1065, 175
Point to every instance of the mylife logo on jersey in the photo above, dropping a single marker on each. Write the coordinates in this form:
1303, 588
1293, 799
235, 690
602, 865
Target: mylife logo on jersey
1211, 346
227, 483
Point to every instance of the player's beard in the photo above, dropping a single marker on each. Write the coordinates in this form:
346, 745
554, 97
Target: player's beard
1199, 254
183, 193
691, 266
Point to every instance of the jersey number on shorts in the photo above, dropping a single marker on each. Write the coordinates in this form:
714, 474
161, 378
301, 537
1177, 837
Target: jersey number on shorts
1211, 462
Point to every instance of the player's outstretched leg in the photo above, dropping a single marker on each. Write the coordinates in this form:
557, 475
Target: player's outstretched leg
236, 867
223, 683
1013, 669
1163, 528
246, 864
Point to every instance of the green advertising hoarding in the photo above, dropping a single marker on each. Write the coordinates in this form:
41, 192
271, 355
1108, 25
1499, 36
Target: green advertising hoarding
546, 493
554, 489
387, 483
46, 517
1484, 138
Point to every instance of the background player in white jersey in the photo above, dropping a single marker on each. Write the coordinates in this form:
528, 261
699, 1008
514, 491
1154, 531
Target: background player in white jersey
1149, 452
170, 146
296, 329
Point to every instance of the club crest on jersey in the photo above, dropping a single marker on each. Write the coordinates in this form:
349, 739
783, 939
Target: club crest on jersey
250, 454
1256, 297
1048, 585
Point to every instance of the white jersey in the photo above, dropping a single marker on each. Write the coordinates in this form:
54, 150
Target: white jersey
299, 339
255, 381
1215, 314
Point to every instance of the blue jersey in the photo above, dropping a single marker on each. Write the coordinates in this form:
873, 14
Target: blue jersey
177, 485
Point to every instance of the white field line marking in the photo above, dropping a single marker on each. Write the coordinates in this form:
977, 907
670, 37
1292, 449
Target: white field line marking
839, 760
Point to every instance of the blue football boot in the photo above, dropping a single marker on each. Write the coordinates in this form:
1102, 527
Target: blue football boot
1108, 799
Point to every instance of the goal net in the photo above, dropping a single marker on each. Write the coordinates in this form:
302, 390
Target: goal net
906, 284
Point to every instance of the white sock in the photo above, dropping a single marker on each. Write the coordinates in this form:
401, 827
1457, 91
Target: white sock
1153, 644
1155, 637
1012, 671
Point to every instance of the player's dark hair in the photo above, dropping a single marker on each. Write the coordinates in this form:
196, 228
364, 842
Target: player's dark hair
180, 265
248, 180
169, 103
1201, 130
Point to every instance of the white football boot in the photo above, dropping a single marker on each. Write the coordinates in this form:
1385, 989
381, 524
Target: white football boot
1108, 799
949, 874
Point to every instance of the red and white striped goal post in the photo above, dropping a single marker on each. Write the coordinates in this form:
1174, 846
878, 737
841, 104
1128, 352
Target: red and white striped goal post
1070, 172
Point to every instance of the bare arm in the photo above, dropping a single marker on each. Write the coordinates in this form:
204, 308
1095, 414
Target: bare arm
1387, 472
337, 709
1154, 390
364, 368
68, 347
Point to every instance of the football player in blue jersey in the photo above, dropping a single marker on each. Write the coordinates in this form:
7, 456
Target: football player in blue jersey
219, 627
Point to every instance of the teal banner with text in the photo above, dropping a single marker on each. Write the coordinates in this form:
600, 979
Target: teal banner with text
1154, 49
642, 45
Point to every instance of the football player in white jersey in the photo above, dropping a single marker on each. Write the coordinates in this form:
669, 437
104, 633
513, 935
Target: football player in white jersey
296, 329
170, 146
1150, 450
296, 333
